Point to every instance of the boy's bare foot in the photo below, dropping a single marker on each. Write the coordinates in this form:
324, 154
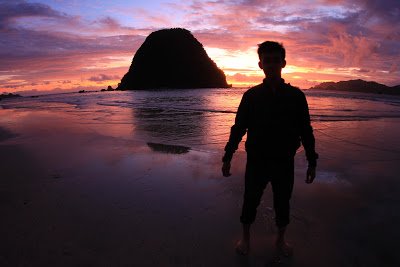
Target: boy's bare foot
242, 247
284, 249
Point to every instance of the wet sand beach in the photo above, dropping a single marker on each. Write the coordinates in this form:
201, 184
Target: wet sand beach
75, 192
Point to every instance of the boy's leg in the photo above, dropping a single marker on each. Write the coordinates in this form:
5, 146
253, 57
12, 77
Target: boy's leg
282, 246
255, 183
243, 245
282, 187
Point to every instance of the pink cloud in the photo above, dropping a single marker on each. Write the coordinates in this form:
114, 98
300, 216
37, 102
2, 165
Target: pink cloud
354, 49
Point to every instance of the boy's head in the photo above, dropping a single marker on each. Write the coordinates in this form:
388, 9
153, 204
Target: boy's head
271, 47
272, 58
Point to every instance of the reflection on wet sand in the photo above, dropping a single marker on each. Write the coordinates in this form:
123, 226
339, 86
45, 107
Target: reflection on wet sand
159, 121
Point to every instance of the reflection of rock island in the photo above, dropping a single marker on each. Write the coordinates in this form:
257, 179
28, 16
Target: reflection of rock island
172, 58
170, 149
157, 119
359, 86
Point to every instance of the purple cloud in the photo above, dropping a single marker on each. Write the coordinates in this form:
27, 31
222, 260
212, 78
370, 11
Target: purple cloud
9, 11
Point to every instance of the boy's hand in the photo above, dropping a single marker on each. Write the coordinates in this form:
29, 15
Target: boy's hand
310, 175
226, 169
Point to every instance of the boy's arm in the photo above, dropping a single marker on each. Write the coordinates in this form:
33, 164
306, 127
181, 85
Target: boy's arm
306, 134
238, 130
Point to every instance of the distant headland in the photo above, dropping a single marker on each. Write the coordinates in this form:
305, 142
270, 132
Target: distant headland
9, 95
172, 58
359, 86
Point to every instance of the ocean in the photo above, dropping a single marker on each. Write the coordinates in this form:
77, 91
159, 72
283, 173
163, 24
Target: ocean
199, 118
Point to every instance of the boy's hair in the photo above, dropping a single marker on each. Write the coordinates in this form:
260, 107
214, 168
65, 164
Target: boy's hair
270, 46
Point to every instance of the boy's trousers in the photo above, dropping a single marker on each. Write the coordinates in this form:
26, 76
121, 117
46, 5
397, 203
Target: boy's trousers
259, 172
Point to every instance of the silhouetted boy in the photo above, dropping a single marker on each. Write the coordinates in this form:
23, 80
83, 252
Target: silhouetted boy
276, 118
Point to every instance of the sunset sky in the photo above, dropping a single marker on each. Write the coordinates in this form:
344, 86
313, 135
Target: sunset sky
88, 44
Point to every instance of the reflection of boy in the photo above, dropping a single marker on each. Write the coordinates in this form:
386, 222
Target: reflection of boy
276, 118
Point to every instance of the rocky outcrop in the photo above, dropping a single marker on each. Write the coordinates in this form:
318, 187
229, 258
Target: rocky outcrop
359, 86
9, 95
172, 58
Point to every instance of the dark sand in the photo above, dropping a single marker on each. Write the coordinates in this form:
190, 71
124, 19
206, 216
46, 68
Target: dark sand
74, 196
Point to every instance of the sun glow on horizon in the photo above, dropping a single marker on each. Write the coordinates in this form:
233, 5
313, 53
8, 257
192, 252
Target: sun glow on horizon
233, 60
